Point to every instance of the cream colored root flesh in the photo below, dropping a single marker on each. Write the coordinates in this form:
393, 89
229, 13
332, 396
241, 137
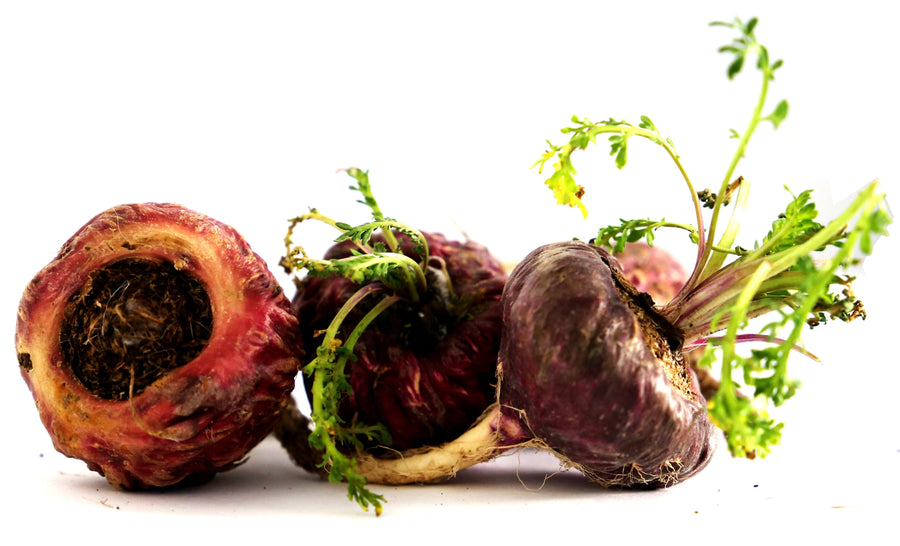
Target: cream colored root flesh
479, 444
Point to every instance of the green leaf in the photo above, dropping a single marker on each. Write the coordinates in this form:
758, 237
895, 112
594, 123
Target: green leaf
774, 385
750, 26
762, 58
735, 67
749, 431
562, 181
646, 123
871, 226
582, 134
365, 188
779, 114
793, 227
619, 149
615, 237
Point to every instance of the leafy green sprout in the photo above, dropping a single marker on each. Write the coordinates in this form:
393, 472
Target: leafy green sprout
788, 274
381, 269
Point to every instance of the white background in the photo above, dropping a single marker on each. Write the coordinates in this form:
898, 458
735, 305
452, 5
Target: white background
246, 110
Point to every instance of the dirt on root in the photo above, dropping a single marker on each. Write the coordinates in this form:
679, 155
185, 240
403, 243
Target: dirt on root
663, 339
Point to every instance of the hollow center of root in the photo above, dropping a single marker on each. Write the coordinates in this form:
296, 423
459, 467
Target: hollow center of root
132, 322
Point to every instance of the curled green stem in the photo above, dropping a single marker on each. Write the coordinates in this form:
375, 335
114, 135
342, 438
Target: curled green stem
329, 379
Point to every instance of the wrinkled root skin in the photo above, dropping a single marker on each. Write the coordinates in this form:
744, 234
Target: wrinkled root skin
198, 419
425, 389
577, 371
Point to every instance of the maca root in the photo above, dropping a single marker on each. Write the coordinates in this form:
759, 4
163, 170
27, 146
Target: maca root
157, 345
597, 373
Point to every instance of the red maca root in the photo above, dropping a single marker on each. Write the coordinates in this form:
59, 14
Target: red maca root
406, 329
158, 347
424, 370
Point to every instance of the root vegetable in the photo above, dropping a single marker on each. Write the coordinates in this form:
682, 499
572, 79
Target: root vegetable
424, 370
407, 326
158, 347
592, 371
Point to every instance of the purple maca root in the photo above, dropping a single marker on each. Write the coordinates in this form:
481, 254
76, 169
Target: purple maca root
596, 375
